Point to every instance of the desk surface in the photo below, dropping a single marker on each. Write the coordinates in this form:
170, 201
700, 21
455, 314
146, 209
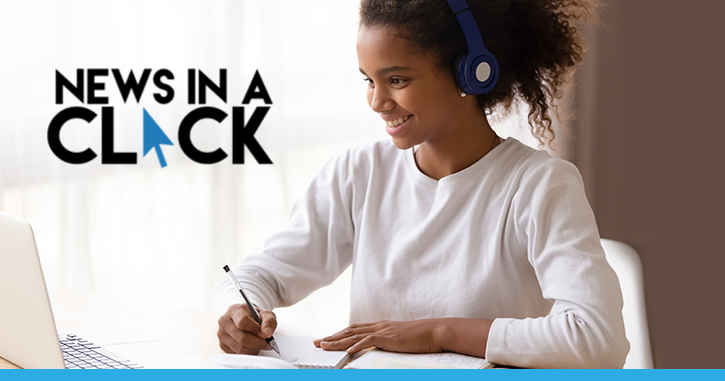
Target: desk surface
105, 320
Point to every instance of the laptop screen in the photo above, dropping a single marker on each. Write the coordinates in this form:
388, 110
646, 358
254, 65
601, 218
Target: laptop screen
28, 335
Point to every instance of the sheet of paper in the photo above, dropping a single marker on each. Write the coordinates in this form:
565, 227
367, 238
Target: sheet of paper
301, 352
155, 355
229, 361
378, 359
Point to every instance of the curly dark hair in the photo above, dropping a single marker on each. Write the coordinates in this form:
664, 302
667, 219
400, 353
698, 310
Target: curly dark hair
534, 41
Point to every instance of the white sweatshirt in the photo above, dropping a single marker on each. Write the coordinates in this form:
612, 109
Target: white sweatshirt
510, 238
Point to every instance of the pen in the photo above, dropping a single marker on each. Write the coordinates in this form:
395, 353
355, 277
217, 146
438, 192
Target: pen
252, 310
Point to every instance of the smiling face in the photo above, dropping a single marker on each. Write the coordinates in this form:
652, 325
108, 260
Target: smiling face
418, 102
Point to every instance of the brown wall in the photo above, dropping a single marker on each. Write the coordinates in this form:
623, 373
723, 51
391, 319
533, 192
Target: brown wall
651, 137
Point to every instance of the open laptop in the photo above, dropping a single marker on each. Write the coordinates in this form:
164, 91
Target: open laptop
28, 336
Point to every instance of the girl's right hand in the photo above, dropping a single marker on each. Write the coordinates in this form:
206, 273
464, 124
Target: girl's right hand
239, 333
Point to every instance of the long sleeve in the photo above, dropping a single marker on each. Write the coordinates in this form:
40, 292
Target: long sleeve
310, 251
585, 327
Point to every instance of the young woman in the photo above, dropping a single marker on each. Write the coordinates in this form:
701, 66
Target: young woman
459, 241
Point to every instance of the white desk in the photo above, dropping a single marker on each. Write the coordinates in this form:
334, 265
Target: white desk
103, 320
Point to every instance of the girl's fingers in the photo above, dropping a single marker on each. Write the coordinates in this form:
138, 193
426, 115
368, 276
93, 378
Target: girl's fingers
367, 342
353, 329
269, 322
341, 344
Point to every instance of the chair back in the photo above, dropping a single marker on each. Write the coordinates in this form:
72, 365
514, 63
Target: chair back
625, 262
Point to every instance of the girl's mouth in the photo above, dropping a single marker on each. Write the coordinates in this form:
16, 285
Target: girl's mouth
394, 127
397, 122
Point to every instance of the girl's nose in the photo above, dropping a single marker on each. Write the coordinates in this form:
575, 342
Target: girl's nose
379, 100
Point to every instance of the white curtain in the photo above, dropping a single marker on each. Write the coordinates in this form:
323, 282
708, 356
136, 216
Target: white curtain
163, 235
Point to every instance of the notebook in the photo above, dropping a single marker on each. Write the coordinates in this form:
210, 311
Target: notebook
297, 353
232, 361
379, 359
300, 352
28, 336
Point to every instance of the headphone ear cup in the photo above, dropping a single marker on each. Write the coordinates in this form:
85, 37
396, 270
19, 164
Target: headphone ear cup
477, 77
459, 72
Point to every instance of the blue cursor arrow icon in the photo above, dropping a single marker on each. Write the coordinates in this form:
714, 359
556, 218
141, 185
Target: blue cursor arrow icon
154, 137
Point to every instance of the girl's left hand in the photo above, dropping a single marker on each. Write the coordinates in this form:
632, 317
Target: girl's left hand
418, 336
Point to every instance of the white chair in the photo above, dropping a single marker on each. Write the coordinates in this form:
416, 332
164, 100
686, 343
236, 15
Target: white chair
625, 262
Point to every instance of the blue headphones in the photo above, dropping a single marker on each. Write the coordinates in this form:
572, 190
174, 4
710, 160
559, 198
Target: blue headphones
477, 69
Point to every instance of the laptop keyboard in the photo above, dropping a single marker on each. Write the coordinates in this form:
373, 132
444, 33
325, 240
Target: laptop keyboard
82, 354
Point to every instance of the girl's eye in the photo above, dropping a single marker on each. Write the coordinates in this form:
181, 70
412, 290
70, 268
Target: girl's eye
393, 81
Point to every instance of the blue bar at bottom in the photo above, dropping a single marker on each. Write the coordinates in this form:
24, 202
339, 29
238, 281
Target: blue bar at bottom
364, 375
